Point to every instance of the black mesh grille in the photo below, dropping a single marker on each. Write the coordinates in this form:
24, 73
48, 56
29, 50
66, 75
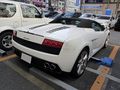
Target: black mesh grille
38, 47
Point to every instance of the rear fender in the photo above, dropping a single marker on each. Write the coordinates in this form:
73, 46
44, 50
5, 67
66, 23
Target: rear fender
83, 47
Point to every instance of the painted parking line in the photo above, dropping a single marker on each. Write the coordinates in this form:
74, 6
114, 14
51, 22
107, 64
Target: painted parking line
97, 85
107, 75
113, 78
7, 57
60, 85
92, 70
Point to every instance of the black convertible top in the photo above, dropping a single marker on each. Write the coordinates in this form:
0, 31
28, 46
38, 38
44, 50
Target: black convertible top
84, 23
81, 23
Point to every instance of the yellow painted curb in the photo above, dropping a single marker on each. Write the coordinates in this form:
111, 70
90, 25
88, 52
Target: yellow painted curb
7, 57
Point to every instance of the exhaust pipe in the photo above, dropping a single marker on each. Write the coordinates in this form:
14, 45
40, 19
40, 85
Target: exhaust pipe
52, 67
46, 65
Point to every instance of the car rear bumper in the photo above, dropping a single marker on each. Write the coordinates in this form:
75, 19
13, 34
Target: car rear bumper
41, 63
64, 61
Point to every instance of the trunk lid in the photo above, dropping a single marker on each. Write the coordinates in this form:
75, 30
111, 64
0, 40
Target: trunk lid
58, 32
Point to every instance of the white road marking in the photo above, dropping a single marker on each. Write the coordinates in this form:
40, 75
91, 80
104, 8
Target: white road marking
52, 80
92, 70
113, 78
107, 75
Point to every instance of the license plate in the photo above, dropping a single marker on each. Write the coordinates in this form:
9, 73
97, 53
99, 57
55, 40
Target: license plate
26, 58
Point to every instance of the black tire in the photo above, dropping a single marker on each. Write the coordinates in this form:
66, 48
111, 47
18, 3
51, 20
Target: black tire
78, 69
6, 41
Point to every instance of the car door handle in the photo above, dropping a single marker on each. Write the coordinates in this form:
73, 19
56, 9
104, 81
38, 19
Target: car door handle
94, 39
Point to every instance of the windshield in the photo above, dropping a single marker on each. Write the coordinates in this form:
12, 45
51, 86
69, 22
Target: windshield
103, 17
68, 15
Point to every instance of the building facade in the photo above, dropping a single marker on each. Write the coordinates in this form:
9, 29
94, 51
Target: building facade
100, 6
85, 6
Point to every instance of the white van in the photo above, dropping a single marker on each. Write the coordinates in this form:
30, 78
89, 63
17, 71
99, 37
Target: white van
16, 14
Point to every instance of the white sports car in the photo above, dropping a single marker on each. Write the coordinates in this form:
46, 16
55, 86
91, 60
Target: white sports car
64, 45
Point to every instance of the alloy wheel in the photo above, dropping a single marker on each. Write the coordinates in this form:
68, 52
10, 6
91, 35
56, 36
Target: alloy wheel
82, 63
7, 41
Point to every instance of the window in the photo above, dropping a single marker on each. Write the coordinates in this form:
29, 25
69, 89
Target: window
100, 1
30, 12
104, 17
7, 10
68, 14
97, 27
84, 23
95, 1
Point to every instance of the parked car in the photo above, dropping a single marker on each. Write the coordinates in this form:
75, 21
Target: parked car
15, 14
106, 19
66, 44
117, 25
88, 16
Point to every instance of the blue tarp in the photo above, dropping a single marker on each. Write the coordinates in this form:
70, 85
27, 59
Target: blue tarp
106, 61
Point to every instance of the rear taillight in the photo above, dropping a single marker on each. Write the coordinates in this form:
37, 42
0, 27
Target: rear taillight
14, 33
52, 43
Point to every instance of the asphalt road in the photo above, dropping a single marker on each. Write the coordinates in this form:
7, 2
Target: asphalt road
114, 37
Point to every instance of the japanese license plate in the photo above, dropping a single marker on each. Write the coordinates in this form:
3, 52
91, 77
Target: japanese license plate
26, 58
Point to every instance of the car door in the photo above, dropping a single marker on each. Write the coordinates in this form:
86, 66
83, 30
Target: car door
99, 35
31, 15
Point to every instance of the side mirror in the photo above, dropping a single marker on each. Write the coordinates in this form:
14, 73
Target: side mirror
107, 28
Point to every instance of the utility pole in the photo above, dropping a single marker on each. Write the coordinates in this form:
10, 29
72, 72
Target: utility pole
117, 7
81, 2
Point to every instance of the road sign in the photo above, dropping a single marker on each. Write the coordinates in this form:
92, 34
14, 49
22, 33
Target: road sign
108, 12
